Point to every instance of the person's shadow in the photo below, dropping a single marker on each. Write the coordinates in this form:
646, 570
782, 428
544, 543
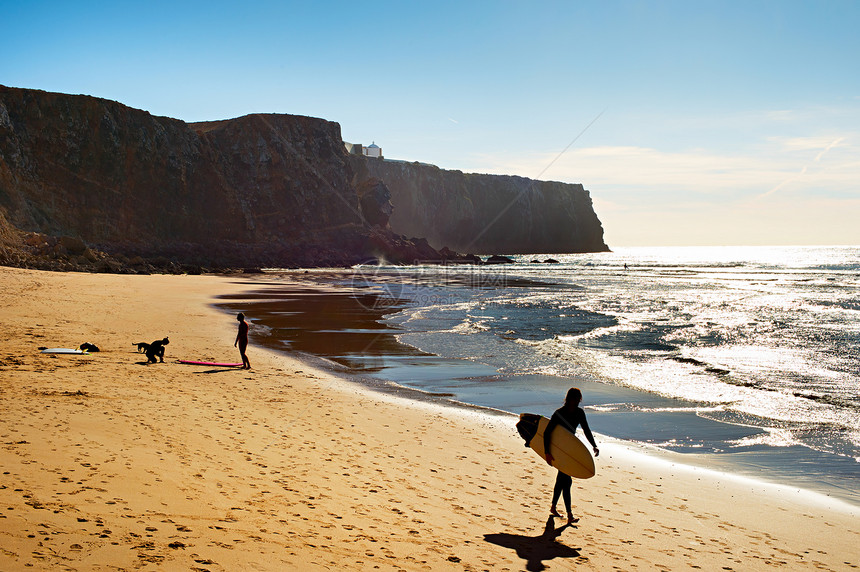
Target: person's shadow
535, 549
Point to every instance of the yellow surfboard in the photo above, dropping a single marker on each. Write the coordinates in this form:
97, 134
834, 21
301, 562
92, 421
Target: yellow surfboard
570, 455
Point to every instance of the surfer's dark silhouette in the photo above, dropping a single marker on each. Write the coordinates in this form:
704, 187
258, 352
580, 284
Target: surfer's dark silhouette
570, 415
242, 340
156, 350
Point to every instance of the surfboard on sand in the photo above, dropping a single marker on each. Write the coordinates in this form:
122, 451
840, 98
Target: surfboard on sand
64, 351
570, 455
210, 363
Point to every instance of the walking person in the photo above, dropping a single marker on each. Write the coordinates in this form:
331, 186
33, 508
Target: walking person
570, 415
242, 340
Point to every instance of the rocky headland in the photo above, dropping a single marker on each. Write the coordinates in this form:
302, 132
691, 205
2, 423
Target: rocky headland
88, 183
471, 212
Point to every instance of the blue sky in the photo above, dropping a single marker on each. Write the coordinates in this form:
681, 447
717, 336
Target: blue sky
691, 123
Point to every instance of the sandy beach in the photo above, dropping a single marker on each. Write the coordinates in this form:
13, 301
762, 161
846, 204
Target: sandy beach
112, 464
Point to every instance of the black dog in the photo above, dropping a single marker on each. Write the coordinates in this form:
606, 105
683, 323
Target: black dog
88, 347
141, 346
156, 349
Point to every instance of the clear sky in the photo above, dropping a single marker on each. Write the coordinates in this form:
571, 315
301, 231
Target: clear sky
690, 122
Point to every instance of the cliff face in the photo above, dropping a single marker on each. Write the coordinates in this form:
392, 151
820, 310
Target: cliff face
276, 190
486, 213
124, 179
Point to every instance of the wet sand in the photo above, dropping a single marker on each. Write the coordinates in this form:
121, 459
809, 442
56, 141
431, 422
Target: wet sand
109, 463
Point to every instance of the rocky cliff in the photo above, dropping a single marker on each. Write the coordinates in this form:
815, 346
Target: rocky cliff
256, 190
486, 213
275, 190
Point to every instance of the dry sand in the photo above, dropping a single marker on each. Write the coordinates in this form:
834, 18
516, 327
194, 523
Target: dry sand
111, 464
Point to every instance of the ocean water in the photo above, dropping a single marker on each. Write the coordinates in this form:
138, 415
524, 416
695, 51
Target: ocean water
743, 359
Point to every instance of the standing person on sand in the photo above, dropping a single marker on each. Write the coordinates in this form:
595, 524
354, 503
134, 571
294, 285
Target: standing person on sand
569, 416
242, 340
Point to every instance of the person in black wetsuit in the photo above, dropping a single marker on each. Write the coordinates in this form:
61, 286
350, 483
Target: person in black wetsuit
568, 416
242, 340
156, 350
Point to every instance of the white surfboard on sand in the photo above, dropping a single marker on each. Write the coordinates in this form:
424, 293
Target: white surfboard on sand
64, 351
570, 455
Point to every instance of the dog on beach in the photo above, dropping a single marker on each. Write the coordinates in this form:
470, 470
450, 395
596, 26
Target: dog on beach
88, 347
153, 350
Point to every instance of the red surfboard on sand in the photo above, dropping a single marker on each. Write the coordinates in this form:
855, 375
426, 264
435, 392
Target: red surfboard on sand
210, 363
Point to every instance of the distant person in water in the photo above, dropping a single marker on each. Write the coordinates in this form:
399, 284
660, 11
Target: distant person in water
242, 340
568, 416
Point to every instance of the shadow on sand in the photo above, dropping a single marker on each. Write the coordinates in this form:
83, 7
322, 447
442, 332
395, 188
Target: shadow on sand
536, 549
218, 370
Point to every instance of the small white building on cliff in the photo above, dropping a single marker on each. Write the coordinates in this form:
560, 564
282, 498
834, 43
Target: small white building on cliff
373, 150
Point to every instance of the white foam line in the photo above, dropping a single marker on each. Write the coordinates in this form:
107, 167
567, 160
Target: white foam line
664, 460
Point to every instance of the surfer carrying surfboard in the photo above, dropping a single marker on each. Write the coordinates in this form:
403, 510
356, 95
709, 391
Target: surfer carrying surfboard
242, 340
569, 416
